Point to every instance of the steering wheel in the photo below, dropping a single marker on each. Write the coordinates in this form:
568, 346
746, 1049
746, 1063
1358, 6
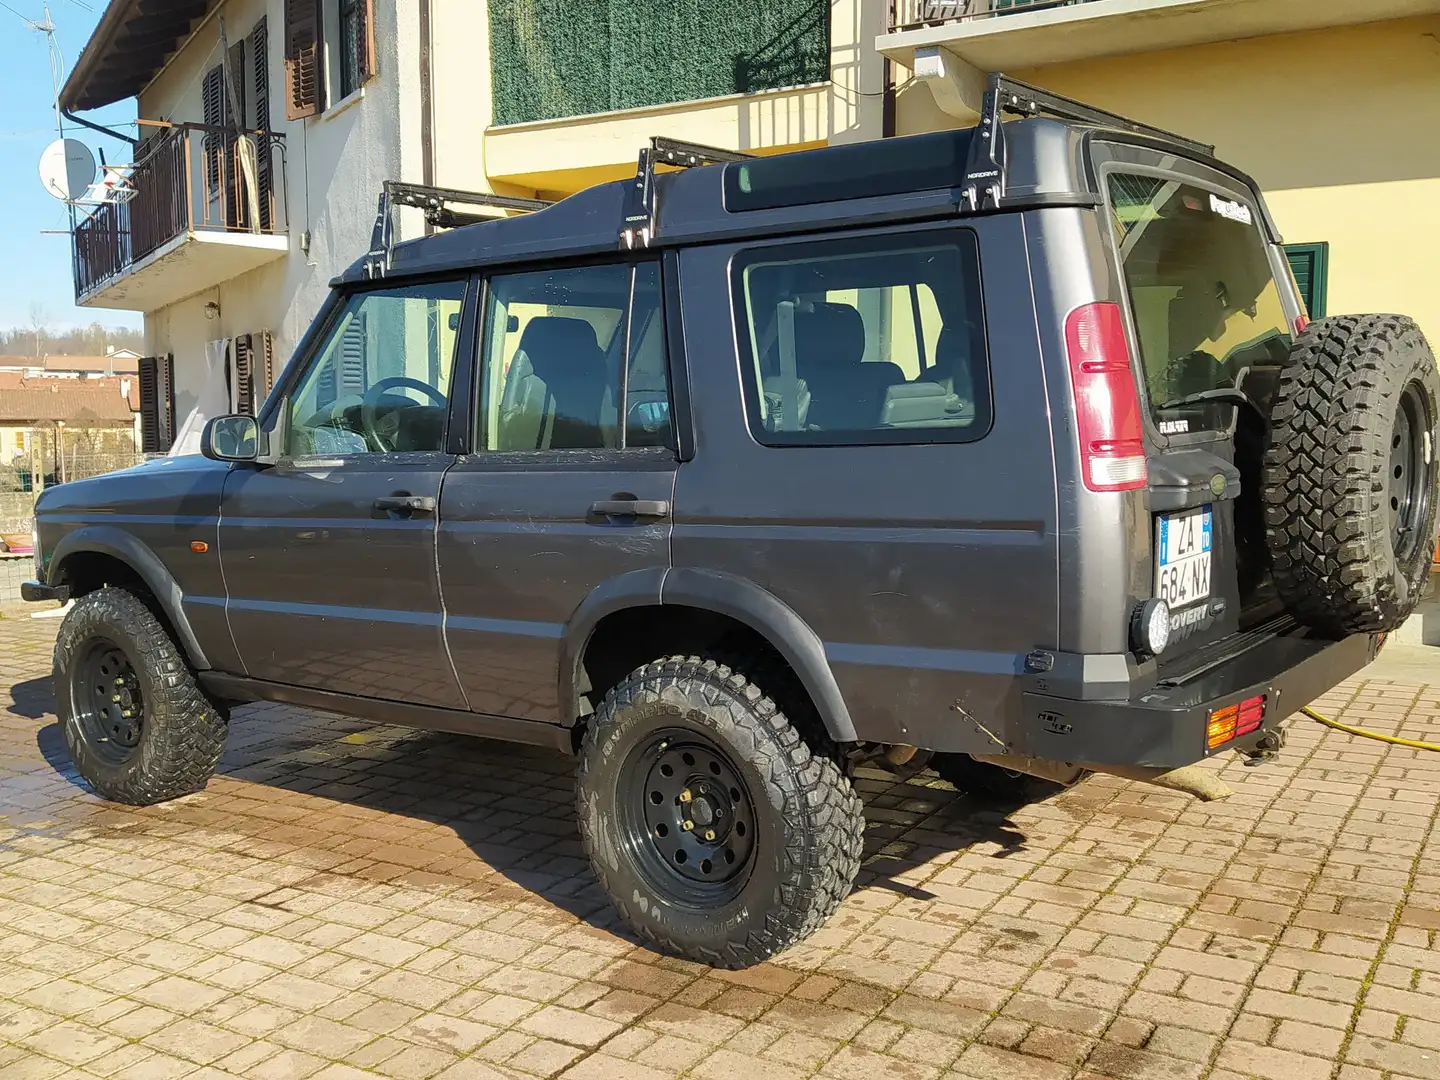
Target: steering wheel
370, 408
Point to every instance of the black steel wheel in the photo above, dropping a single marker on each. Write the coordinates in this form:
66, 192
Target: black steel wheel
689, 820
1351, 471
135, 721
719, 833
1411, 472
108, 704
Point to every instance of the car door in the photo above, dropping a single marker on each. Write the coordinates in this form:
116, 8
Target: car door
329, 553
564, 489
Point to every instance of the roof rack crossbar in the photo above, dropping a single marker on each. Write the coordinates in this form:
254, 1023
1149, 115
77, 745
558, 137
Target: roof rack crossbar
984, 181
432, 200
637, 224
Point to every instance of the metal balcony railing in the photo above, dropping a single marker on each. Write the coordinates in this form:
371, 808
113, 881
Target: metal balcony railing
188, 178
915, 14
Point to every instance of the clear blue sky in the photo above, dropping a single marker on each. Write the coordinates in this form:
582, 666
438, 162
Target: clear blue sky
35, 267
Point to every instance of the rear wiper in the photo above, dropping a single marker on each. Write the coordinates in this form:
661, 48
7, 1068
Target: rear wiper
1230, 394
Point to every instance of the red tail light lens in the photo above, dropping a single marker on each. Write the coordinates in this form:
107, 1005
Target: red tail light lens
1301, 322
1107, 403
1252, 713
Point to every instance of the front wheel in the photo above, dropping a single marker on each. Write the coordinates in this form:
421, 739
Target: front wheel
719, 834
137, 725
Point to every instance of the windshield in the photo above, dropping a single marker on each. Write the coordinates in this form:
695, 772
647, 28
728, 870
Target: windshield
1205, 301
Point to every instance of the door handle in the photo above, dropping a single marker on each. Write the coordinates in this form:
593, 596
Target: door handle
422, 504
640, 508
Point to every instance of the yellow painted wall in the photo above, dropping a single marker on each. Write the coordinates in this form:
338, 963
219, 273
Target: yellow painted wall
1341, 128
553, 158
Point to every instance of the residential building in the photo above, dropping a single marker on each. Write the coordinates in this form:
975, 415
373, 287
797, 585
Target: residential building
62, 366
269, 127
1331, 105
42, 419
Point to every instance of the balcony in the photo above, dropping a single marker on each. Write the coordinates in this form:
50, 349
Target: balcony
1014, 35
198, 215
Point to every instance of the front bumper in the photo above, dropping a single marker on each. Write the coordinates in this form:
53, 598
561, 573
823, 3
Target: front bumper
35, 591
1165, 727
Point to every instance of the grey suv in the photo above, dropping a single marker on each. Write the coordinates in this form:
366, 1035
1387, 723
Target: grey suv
1009, 450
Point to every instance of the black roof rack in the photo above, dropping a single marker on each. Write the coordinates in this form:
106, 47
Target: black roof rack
984, 182
637, 224
434, 202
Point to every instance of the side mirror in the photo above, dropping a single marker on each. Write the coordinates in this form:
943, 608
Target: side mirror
231, 438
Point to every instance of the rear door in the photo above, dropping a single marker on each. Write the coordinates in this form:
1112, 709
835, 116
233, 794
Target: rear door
329, 555
1212, 309
564, 488
892, 482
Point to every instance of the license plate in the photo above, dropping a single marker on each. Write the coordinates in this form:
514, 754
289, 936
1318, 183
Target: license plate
1182, 557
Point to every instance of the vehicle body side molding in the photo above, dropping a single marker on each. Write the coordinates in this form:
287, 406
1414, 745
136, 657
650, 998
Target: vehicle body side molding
123, 546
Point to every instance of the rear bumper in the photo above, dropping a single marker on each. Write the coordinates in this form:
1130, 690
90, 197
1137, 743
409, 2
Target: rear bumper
35, 591
1166, 727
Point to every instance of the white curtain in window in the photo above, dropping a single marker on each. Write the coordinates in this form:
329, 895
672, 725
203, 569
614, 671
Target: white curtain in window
215, 397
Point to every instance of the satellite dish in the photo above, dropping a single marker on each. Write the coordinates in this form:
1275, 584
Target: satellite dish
66, 168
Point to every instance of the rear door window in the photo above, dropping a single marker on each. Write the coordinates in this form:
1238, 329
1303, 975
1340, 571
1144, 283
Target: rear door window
864, 340
1204, 298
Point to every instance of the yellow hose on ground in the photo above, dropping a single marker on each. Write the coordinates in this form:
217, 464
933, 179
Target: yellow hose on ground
1393, 740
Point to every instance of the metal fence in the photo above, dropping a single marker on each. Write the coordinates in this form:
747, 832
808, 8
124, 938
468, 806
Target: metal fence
913, 14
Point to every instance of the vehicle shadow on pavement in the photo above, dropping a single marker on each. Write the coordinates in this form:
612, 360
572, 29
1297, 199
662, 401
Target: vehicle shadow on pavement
393, 805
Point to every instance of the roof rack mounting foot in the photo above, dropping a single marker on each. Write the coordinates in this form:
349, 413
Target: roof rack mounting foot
637, 224
983, 185
434, 202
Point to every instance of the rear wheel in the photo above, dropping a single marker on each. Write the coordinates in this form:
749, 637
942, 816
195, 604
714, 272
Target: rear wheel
137, 725
717, 831
1351, 473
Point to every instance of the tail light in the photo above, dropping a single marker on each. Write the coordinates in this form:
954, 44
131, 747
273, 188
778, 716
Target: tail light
1234, 720
1107, 403
1301, 322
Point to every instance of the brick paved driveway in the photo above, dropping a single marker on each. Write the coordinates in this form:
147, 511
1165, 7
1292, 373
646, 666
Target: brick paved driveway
352, 900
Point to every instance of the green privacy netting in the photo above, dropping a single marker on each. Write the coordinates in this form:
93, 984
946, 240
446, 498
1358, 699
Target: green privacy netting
553, 58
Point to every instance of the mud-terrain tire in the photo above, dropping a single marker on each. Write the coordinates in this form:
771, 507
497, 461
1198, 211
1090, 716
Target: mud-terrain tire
1350, 475
688, 739
138, 727
994, 784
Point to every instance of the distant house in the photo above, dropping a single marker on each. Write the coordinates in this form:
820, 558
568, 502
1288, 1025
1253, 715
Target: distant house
48, 416
56, 366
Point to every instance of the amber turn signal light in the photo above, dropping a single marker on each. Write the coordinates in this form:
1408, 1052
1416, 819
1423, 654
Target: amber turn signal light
199, 547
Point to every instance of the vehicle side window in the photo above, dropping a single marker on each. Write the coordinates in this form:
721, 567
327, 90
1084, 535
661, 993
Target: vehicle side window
863, 341
380, 381
556, 343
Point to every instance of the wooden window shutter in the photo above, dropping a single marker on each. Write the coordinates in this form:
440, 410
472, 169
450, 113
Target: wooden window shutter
367, 39
353, 375
149, 405
265, 360
260, 56
212, 99
1310, 263
167, 401
303, 58
244, 375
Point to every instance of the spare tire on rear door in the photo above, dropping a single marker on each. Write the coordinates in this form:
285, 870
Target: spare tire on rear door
1350, 473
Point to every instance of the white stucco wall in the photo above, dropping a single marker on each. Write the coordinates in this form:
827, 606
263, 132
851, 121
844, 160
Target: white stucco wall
331, 169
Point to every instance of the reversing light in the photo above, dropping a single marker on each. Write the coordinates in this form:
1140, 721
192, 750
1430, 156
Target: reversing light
1107, 403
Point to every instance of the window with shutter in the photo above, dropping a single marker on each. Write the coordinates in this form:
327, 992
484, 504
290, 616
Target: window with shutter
149, 405
244, 375
234, 110
353, 370
167, 401
303, 58
212, 100
260, 57
1310, 263
265, 361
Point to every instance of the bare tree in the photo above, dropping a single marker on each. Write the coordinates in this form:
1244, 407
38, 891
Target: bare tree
39, 321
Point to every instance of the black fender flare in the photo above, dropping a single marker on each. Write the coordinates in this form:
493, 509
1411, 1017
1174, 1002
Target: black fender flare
724, 594
120, 545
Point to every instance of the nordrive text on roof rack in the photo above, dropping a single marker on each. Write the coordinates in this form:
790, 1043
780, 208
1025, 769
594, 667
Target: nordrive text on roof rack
1009, 452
